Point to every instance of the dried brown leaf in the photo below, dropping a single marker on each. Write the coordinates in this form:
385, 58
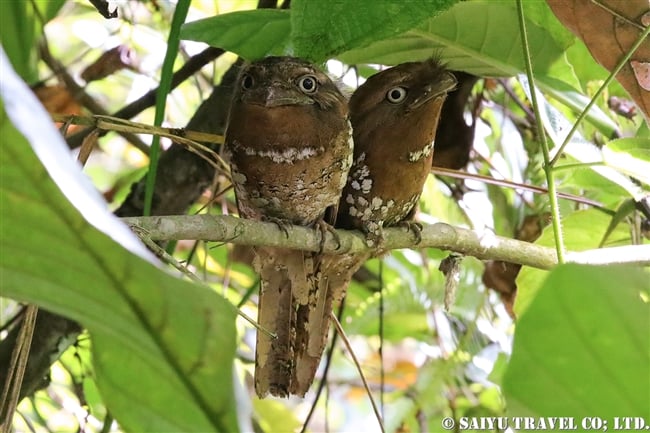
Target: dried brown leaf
609, 28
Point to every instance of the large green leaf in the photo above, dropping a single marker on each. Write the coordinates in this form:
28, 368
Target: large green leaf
480, 37
321, 30
583, 230
163, 348
315, 31
250, 34
583, 346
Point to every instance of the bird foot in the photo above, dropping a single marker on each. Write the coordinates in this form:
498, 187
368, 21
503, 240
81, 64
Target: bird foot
282, 224
414, 227
322, 227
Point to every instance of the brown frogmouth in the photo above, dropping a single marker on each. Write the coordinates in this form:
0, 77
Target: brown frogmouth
290, 147
394, 117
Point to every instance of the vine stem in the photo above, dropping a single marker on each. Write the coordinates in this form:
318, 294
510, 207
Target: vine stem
180, 13
548, 168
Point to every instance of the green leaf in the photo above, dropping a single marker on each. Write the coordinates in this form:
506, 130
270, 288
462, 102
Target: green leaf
585, 340
638, 148
584, 180
588, 70
274, 416
49, 8
20, 28
644, 130
162, 347
250, 34
558, 126
577, 102
630, 156
583, 230
624, 210
319, 32
541, 15
479, 37
17, 33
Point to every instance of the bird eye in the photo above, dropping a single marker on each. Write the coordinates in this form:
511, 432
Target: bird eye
246, 82
307, 83
396, 95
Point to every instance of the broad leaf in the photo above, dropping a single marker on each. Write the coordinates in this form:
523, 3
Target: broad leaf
322, 30
583, 230
162, 347
630, 156
480, 37
598, 25
251, 34
585, 341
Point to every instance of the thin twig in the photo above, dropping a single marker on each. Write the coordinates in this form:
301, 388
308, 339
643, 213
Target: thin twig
188, 139
19, 356
345, 340
149, 99
621, 63
167, 258
457, 174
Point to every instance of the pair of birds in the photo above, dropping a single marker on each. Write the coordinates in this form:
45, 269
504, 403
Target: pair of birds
300, 153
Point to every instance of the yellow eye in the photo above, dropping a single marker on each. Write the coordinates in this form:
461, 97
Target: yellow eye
307, 84
247, 81
396, 95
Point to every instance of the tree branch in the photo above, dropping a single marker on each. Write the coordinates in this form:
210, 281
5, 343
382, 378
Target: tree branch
193, 65
486, 246
247, 232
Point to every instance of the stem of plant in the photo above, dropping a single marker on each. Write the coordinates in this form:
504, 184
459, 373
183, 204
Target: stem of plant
180, 13
548, 168
600, 90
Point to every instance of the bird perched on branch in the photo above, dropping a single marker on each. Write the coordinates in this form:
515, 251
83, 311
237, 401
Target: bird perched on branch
394, 117
290, 147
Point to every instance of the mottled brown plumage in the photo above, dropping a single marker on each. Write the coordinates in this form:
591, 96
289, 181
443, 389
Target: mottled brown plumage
394, 117
289, 143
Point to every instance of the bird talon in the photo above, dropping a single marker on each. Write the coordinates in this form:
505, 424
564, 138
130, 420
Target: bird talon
322, 227
282, 224
415, 228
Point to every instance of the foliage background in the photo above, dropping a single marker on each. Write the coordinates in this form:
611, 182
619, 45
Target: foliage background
163, 355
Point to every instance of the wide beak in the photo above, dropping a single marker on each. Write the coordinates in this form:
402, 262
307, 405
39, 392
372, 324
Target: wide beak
276, 96
446, 83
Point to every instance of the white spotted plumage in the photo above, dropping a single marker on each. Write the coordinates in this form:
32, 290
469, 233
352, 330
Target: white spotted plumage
422, 153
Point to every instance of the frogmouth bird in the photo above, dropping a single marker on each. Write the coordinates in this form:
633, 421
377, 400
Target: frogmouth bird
394, 117
289, 143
